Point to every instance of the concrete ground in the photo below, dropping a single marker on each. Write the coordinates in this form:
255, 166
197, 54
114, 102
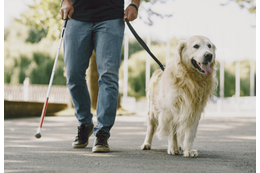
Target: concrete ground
225, 145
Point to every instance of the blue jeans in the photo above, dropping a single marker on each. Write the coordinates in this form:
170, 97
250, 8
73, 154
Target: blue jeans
80, 39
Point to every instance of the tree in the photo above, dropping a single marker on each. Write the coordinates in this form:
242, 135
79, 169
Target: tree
147, 5
35, 36
92, 80
43, 15
248, 4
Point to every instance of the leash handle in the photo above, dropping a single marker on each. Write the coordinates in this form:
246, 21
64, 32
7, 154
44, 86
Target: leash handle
143, 44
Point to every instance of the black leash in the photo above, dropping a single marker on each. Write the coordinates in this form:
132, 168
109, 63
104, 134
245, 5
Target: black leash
143, 44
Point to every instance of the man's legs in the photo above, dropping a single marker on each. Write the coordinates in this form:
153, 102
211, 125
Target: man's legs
108, 38
78, 47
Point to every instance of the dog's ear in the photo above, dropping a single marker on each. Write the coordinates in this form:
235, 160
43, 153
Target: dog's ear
180, 48
214, 48
214, 52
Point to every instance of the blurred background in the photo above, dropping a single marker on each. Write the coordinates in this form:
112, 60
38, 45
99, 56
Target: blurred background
31, 35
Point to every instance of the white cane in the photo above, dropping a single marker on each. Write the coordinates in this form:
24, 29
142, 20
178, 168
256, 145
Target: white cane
38, 133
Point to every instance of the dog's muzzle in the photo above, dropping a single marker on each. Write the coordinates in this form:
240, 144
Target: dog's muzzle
207, 58
203, 67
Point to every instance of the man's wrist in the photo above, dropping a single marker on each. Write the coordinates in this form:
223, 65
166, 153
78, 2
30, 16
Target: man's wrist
135, 6
69, 1
136, 2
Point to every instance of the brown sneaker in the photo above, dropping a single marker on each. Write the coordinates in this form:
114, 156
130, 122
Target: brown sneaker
100, 143
81, 140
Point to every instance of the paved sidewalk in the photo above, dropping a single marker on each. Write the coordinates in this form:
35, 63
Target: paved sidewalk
225, 145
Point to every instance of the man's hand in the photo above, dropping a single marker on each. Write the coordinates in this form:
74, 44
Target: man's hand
131, 12
67, 9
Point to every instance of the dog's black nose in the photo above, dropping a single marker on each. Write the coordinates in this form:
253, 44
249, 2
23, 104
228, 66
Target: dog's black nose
208, 57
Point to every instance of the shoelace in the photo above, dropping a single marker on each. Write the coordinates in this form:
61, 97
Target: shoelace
101, 139
81, 134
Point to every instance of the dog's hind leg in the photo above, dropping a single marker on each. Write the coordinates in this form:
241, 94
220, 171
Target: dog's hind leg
151, 127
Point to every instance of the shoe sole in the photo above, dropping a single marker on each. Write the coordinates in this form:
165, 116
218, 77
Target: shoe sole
83, 145
100, 150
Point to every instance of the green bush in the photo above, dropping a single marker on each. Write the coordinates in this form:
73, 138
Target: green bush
38, 69
35, 35
41, 68
136, 70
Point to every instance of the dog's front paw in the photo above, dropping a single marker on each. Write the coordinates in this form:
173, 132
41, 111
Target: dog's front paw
190, 153
146, 146
175, 151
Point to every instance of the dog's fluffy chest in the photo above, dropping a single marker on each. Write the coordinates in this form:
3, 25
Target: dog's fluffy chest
183, 96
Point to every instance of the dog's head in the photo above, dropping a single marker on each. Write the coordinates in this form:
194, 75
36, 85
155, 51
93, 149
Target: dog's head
197, 53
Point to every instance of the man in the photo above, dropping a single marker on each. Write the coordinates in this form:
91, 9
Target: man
94, 25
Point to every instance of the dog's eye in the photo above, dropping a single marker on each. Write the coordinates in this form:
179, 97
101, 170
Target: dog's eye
209, 45
196, 46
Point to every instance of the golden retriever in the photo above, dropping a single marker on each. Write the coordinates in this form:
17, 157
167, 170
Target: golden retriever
177, 96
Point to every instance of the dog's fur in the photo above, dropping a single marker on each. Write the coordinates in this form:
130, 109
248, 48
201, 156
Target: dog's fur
177, 96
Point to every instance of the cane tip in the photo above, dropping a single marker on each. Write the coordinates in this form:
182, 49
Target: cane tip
38, 135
